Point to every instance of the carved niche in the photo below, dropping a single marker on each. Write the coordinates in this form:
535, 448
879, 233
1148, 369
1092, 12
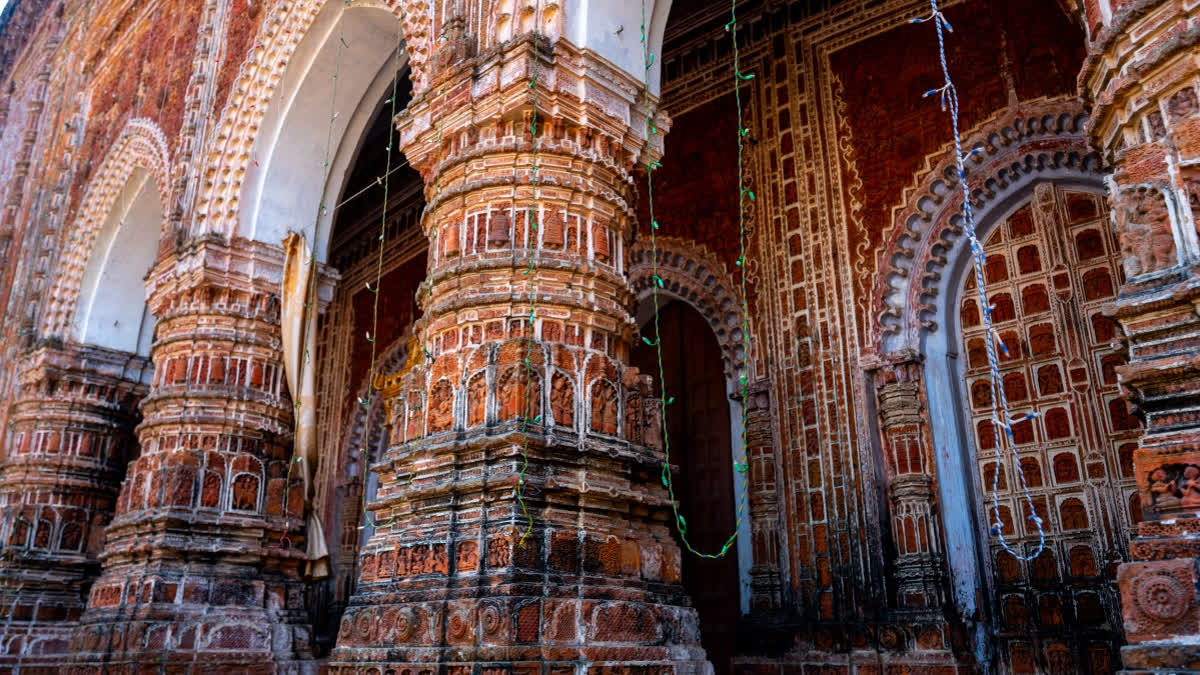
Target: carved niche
1144, 227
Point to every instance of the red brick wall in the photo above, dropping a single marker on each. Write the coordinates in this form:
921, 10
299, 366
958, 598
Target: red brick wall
147, 78
245, 21
695, 191
1028, 45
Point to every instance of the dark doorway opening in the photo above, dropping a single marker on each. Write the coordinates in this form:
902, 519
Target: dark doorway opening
701, 446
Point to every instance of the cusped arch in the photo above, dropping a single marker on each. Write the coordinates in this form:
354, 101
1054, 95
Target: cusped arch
141, 145
693, 274
1042, 140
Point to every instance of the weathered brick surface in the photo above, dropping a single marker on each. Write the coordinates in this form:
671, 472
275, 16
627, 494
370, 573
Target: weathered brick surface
588, 577
71, 435
851, 241
201, 562
1142, 76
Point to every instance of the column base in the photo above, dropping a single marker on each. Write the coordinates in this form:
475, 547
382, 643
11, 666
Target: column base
195, 620
527, 628
1180, 655
41, 601
532, 622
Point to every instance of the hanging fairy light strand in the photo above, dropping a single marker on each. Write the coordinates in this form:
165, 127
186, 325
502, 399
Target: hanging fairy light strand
372, 336
530, 414
744, 195
1002, 418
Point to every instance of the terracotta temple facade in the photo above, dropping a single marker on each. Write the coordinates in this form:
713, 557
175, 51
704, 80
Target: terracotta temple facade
331, 335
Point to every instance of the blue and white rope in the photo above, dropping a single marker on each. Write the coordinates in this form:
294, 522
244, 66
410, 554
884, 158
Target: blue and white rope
1001, 417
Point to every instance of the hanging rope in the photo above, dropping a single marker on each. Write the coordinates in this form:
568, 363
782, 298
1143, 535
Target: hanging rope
744, 195
1001, 417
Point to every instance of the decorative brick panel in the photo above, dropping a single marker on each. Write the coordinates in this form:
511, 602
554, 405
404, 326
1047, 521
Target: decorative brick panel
1159, 599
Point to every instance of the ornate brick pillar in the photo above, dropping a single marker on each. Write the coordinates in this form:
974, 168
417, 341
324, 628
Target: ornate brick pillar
449, 576
197, 567
766, 584
69, 439
1143, 76
911, 486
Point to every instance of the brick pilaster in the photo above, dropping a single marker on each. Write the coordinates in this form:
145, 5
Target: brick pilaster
766, 582
911, 479
1143, 77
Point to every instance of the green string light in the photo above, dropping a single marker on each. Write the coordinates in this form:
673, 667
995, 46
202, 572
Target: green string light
373, 335
533, 217
743, 194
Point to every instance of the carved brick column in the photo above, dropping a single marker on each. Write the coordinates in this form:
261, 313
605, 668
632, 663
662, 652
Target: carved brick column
766, 584
1143, 76
911, 487
197, 569
69, 439
449, 576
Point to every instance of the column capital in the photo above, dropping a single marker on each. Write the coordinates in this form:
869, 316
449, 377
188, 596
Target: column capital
483, 104
251, 270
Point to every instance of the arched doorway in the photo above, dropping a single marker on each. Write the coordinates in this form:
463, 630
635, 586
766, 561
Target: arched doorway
352, 414
701, 434
321, 166
1052, 265
1041, 216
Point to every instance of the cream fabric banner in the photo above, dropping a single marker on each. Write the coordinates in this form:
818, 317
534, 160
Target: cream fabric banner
299, 328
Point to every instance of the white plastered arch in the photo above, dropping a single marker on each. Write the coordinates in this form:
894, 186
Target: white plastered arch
286, 182
138, 156
111, 310
290, 42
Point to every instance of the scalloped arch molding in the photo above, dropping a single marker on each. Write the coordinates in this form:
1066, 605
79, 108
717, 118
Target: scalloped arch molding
1041, 140
141, 144
693, 274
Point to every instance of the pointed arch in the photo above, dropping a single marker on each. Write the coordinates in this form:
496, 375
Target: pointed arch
264, 93
141, 146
